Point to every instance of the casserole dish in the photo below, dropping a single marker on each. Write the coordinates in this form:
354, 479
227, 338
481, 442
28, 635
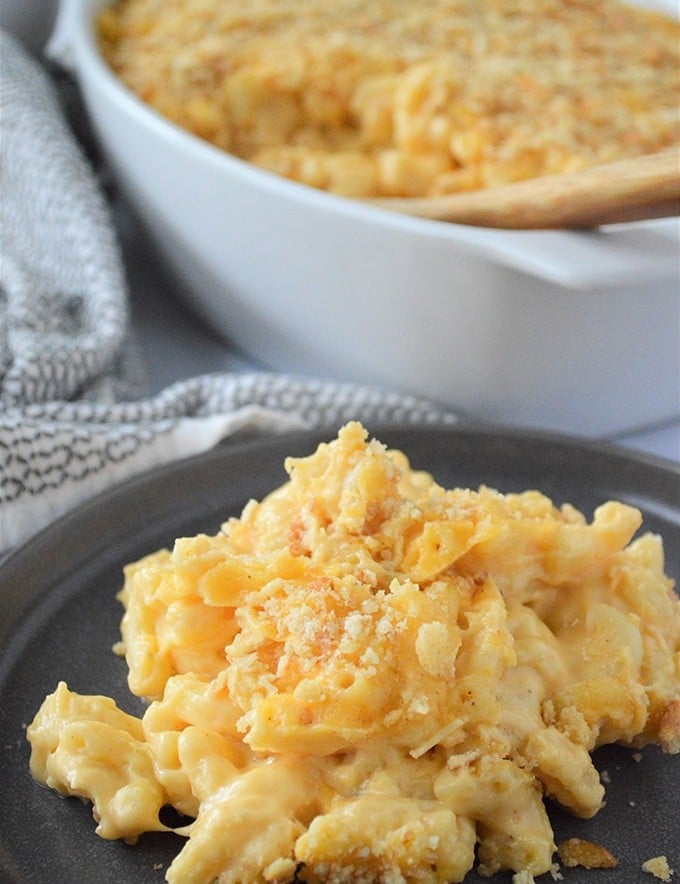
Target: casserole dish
574, 331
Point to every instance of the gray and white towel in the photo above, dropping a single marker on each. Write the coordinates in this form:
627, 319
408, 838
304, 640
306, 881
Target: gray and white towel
72, 420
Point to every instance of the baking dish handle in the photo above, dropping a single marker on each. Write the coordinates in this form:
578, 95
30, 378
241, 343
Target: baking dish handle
60, 46
608, 257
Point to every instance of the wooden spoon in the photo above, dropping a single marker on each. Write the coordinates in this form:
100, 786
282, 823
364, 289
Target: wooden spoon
627, 190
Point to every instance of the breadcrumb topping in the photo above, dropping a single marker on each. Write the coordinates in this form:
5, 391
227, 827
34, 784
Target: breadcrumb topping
396, 98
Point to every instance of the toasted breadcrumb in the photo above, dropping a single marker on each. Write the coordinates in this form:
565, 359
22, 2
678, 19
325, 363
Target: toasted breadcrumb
576, 852
669, 728
658, 866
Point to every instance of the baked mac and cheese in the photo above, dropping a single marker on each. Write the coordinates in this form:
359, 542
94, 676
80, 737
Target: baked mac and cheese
367, 677
405, 97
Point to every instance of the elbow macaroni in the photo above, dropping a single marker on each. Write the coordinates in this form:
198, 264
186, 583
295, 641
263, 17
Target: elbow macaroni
367, 677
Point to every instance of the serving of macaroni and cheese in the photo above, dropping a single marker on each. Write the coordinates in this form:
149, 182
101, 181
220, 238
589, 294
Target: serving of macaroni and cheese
367, 677
405, 97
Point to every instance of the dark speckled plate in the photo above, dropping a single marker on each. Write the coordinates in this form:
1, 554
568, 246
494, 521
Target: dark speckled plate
59, 618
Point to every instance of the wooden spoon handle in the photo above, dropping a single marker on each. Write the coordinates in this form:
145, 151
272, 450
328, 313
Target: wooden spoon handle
628, 190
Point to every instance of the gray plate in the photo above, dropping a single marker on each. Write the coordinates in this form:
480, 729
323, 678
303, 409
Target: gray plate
59, 618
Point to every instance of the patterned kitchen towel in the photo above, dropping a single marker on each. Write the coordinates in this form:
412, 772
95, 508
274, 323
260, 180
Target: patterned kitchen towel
71, 420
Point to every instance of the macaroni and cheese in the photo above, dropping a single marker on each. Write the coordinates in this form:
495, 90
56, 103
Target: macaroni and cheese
405, 97
369, 678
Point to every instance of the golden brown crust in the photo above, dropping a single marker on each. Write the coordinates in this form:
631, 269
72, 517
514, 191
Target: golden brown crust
576, 852
669, 728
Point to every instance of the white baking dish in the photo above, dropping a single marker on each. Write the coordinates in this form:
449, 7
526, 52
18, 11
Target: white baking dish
578, 331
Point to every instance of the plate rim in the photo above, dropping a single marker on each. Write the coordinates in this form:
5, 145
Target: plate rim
235, 448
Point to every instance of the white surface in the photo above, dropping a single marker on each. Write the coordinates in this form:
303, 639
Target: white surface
571, 331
